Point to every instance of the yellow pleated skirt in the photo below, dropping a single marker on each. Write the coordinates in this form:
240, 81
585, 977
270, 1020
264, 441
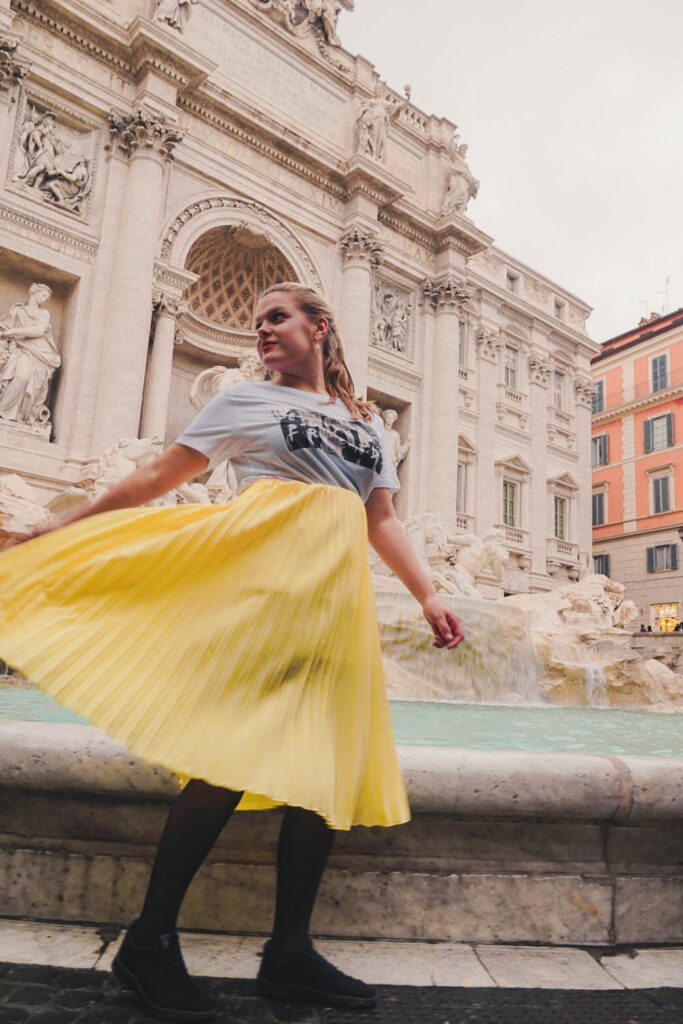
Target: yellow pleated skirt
233, 643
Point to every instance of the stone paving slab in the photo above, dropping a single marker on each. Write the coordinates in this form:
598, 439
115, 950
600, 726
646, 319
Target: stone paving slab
49, 995
646, 968
538, 967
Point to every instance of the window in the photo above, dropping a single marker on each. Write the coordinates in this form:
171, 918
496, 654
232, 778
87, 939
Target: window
509, 503
560, 518
511, 282
659, 432
461, 492
661, 495
601, 565
660, 373
598, 400
558, 390
599, 450
510, 367
598, 508
462, 337
662, 558
559, 310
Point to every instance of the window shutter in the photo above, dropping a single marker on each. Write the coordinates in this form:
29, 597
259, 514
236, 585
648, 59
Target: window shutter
674, 556
648, 435
606, 450
666, 504
650, 559
669, 428
606, 565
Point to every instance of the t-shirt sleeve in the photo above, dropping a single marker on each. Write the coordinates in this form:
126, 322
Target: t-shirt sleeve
387, 477
213, 431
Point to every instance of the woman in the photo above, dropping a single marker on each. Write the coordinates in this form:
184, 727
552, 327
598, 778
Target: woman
264, 607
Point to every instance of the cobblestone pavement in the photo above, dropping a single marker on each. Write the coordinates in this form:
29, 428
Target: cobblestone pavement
49, 995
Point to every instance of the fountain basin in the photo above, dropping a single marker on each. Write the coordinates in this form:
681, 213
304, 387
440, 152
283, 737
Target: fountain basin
504, 846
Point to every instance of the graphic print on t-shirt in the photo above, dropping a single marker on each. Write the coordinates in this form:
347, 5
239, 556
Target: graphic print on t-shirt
354, 442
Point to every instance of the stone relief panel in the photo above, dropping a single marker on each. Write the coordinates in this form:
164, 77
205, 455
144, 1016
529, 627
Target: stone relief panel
28, 359
54, 157
391, 318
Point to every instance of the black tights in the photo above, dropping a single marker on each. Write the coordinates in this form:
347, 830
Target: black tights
196, 820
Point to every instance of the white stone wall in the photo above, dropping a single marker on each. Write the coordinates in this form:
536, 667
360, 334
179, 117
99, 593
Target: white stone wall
241, 122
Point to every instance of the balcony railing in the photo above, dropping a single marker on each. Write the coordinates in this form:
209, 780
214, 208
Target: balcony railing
638, 392
562, 551
464, 522
516, 539
560, 419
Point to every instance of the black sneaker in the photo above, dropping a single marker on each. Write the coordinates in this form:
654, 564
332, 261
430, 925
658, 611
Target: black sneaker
157, 973
309, 976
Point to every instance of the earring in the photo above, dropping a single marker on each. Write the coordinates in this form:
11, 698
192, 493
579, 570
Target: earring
317, 345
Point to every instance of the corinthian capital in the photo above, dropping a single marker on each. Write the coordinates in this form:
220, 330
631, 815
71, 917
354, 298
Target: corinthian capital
539, 370
143, 133
168, 305
447, 292
584, 389
359, 245
12, 71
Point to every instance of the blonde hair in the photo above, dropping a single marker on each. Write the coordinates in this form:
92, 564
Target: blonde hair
338, 380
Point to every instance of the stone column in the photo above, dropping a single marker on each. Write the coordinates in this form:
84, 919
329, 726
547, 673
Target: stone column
148, 143
583, 399
362, 253
489, 497
446, 295
159, 367
540, 372
12, 73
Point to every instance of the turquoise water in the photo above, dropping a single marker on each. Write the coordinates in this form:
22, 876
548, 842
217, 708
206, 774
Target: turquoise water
473, 726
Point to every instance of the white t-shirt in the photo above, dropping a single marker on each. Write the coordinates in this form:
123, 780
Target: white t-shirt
268, 430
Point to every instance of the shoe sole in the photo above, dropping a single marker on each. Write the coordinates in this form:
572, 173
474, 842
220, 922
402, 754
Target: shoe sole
291, 993
129, 981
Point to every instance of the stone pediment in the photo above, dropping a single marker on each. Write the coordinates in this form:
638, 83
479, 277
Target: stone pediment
514, 464
565, 480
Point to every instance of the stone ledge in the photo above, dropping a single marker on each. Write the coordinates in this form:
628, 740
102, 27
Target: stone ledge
465, 783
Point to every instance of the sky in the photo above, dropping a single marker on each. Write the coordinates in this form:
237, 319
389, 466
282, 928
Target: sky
573, 114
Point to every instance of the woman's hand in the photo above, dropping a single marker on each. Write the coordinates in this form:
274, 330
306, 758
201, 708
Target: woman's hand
446, 626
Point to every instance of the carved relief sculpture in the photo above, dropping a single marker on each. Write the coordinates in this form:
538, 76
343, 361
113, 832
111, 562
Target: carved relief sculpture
398, 448
462, 185
373, 120
28, 359
391, 318
175, 13
59, 176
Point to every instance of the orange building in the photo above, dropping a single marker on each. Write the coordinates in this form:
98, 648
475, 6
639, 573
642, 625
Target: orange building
637, 459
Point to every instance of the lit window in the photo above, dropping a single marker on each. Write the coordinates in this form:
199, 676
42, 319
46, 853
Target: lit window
559, 310
660, 373
661, 495
509, 503
659, 432
598, 400
599, 450
511, 282
662, 558
598, 508
560, 518
559, 390
462, 350
510, 367
601, 565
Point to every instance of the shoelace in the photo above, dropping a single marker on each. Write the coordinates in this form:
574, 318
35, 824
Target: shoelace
172, 969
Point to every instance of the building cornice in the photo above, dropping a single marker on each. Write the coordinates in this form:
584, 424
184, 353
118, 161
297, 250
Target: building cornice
651, 400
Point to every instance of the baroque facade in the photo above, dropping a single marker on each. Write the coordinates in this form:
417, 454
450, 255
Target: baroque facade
637, 455
161, 161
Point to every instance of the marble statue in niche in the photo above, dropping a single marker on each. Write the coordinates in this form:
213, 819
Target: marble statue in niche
397, 447
58, 175
28, 359
373, 119
462, 185
175, 13
391, 318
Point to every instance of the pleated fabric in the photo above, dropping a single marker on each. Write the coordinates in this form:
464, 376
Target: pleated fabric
234, 643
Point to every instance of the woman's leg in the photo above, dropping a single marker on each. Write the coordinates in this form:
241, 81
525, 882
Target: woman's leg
196, 820
303, 848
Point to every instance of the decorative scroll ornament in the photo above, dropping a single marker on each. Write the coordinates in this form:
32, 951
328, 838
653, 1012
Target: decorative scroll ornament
539, 370
391, 318
300, 16
48, 166
445, 292
175, 13
143, 132
359, 245
12, 71
462, 185
584, 389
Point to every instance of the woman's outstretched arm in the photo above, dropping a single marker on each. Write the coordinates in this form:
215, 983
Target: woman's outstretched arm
389, 540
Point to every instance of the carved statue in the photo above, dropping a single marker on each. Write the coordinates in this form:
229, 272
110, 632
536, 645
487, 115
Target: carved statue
45, 165
373, 120
397, 447
391, 319
28, 359
175, 13
462, 185
326, 14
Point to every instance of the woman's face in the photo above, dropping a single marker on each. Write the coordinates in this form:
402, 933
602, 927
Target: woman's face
286, 337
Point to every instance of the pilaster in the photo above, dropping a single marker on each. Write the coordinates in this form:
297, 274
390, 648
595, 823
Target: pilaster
540, 374
362, 253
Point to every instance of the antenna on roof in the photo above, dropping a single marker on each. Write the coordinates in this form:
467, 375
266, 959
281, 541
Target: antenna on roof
665, 293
